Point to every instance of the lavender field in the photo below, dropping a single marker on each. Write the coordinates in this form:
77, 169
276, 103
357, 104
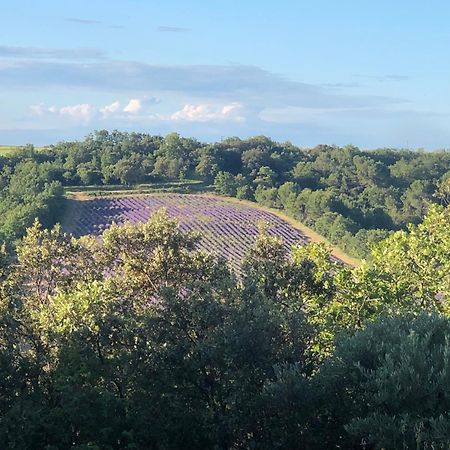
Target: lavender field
227, 228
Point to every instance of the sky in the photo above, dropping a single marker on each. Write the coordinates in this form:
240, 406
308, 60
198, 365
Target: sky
371, 74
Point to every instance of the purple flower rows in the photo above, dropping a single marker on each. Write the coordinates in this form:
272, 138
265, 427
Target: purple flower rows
227, 228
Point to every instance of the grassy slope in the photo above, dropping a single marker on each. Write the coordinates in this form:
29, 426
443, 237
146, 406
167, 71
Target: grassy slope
88, 194
181, 187
7, 149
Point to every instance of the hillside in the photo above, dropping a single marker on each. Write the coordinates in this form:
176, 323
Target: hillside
352, 197
228, 228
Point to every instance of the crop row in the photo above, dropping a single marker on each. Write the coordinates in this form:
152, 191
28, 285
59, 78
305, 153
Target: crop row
227, 229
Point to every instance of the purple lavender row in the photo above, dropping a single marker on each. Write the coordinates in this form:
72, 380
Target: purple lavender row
228, 229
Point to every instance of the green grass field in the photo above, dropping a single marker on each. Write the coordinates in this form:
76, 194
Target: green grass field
7, 149
182, 187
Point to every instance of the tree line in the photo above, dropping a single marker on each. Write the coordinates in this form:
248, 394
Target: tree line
350, 196
141, 341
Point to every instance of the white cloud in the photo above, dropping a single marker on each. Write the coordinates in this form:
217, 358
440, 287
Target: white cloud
42, 109
110, 109
137, 111
38, 110
134, 106
83, 112
207, 113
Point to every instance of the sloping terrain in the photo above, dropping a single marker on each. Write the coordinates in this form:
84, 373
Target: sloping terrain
227, 228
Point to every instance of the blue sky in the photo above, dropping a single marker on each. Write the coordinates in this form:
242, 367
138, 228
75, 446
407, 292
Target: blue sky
367, 73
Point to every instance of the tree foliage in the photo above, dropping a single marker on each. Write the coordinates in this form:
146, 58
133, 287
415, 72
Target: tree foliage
139, 340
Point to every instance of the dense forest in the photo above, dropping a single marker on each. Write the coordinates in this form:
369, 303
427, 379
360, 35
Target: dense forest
140, 341
352, 197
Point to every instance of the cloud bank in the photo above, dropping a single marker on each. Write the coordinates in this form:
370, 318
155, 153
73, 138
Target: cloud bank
83, 88
248, 84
